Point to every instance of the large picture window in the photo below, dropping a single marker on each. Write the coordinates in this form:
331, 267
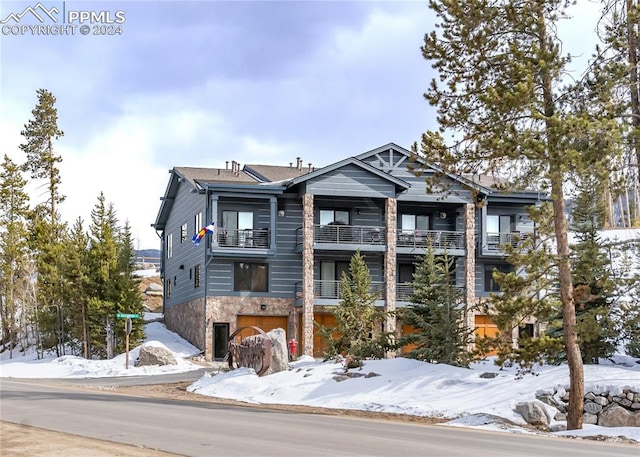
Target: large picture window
332, 216
252, 277
412, 222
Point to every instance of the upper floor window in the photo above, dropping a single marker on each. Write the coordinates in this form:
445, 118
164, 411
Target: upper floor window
169, 245
500, 223
197, 222
252, 277
490, 284
237, 220
327, 216
196, 279
412, 222
183, 232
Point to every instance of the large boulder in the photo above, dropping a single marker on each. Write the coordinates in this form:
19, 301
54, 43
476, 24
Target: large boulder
617, 416
533, 413
155, 355
279, 351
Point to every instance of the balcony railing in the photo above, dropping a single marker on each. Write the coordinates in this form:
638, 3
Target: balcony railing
495, 241
404, 290
328, 289
348, 234
439, 239
245, 238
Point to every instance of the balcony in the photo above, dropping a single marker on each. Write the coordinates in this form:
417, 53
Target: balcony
250, 242
346, 237
440, 240
327, 292
495, 242
404, 290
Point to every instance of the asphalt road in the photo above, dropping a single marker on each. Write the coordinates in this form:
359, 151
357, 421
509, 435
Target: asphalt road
206, 429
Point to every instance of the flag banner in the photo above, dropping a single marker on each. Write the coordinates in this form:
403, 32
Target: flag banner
203, 231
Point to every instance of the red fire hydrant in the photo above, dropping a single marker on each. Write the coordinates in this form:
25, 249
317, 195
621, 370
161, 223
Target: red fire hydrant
293, 349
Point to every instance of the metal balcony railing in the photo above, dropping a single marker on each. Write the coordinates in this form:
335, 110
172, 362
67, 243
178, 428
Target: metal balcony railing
245, 238
404, 290
348, 234
439, 239
496, 240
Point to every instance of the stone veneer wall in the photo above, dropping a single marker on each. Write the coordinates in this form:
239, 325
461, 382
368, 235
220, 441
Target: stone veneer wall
470, 266
226, 309
307, 275
390, 264
187, 320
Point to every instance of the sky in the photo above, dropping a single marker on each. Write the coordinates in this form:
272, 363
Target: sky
198, 83
404, 386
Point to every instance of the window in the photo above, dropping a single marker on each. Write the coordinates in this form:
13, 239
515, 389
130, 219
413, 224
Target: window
197, 222
490, 284
327, 216
183, 232
196, 277
330, 276
167, 288
525, 331
412, 222
238, 227
169, 245
250, 277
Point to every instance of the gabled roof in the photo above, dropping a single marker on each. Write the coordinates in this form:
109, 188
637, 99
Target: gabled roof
461, 179
349, 161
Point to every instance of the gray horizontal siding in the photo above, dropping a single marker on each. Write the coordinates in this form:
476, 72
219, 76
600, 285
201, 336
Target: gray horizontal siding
185, 207
351, 180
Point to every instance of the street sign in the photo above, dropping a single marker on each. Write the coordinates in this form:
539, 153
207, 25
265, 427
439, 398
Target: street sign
127, 316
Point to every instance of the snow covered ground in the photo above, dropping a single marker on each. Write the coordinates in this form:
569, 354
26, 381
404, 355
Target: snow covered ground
401, 386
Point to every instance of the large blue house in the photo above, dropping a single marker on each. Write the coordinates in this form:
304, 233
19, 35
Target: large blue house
283, 235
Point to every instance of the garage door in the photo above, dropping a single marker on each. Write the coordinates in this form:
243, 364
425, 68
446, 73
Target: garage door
407, 330
266, 323
319, 344
484, 327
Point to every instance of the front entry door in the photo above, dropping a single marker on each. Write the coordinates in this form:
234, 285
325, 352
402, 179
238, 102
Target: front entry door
220, 339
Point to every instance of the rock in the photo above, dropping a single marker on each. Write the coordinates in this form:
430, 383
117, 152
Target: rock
279, 351
532, 413
558, 427
602, 401
588, 418
617, 416
155, 355
154, 289
592, 408
488, 375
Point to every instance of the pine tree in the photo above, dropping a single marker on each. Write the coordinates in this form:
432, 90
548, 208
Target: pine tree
530, 291
104, 295
359, 333
437, 313
75, 280
47, 229
130, 301
593, 285
501, 94
14, 254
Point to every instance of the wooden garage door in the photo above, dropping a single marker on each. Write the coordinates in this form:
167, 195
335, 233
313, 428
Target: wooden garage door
266, 323
407, 330
327, 320
484, 327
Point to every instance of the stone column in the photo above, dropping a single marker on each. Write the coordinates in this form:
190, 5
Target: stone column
307, 275
470, 259
391, 215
